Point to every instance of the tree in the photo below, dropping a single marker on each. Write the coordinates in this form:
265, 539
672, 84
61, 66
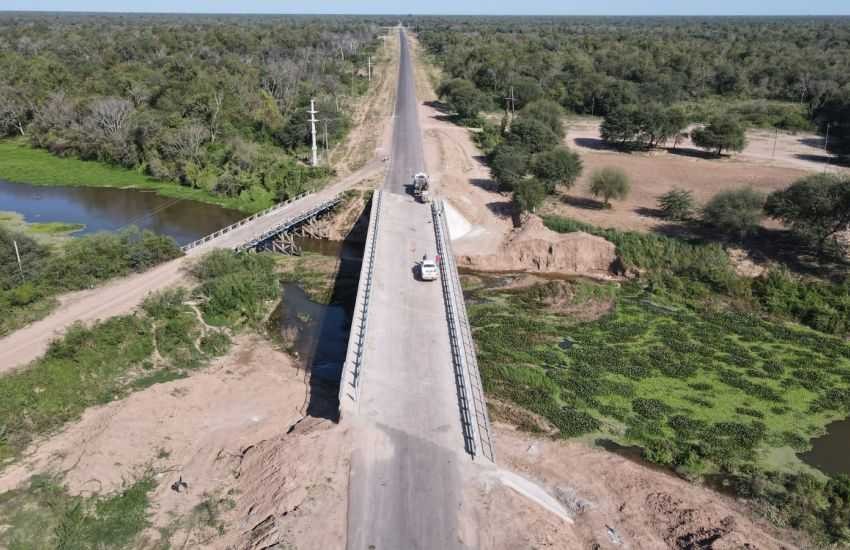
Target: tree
721, 133
14, 112
642, 125
532, 135
528, 195
816, 207
560, 166
676, 204
462, 97
609, 183
508, 165
736, 213
548, 112
621, 125
835, 115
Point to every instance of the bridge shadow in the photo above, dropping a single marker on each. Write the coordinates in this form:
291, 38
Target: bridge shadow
326, 358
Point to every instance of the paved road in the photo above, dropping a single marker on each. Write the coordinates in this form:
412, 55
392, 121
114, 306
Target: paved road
405, 483
124, 295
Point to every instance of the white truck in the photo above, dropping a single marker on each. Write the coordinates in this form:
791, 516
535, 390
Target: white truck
421, 187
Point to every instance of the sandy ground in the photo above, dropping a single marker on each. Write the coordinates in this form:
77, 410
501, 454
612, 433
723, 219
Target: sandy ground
655, 173
458, 173
371, 130
615, 503
224, 431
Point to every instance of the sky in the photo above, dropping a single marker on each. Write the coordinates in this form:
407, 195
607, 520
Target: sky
490, 7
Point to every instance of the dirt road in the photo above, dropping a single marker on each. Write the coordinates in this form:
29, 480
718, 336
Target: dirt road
122, 296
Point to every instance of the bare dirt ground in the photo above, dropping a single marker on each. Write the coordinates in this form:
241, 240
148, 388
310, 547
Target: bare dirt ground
224, 431
655, 173
372, 119
615, 503
458, 173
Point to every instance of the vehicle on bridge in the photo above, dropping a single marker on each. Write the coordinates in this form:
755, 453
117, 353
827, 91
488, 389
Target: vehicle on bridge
428, 270
421, 187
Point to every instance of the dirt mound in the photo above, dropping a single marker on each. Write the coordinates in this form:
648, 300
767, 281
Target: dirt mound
534, 247
285, 484
622, 504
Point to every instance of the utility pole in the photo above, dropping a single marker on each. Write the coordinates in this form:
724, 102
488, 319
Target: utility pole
775, 135
510, 102
18, 255
313, 112
826, 139
370, 68
327, 156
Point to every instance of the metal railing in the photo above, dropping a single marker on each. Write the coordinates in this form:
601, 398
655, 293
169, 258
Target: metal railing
289, 223
240, 223
350, 382
470, 393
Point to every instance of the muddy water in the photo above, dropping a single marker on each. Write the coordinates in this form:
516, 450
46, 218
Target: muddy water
831, 453
106, 209
318, 333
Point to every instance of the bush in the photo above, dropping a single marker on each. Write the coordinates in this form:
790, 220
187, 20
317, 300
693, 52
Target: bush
609, 183
735, 213
508, 164
816, 207
234, 287
722, 133
560, 166
676, 204
528, 195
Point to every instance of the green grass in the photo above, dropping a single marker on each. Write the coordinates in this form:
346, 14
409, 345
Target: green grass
43, 516
54, 228
52, 233
725, 372
19, 162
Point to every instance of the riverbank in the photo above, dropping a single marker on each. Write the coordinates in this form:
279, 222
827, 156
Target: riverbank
22, 163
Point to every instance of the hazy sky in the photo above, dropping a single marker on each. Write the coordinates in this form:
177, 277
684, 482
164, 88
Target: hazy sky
565, 7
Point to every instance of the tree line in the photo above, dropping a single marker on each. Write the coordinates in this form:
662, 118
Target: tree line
217, 103
782, 72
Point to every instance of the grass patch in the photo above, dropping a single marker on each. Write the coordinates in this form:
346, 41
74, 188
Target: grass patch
20, 162
56, 228
688, 367
44, 516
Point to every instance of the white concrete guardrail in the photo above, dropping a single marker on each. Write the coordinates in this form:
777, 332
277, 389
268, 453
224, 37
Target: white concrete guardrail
240, 223
473, 407
349, 386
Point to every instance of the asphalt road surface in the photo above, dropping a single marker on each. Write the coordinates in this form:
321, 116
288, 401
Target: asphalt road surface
405, 487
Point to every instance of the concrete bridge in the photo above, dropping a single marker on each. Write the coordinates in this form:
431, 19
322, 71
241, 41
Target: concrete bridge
410, 382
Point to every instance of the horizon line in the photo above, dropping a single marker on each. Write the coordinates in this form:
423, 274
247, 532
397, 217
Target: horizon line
413, 14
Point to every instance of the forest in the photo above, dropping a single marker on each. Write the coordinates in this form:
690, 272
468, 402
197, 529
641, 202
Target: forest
788, 73
211, 102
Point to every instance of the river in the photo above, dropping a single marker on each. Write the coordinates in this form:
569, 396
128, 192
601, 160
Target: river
108, 209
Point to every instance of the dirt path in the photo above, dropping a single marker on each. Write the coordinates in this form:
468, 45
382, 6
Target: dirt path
459, 174
372, 119
121, 296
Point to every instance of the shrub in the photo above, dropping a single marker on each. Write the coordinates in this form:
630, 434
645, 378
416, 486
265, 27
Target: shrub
560, 166
722, 133
609, 183
676, 204
736, 213
816, 207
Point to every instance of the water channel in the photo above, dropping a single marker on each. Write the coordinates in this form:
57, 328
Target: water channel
107, 209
